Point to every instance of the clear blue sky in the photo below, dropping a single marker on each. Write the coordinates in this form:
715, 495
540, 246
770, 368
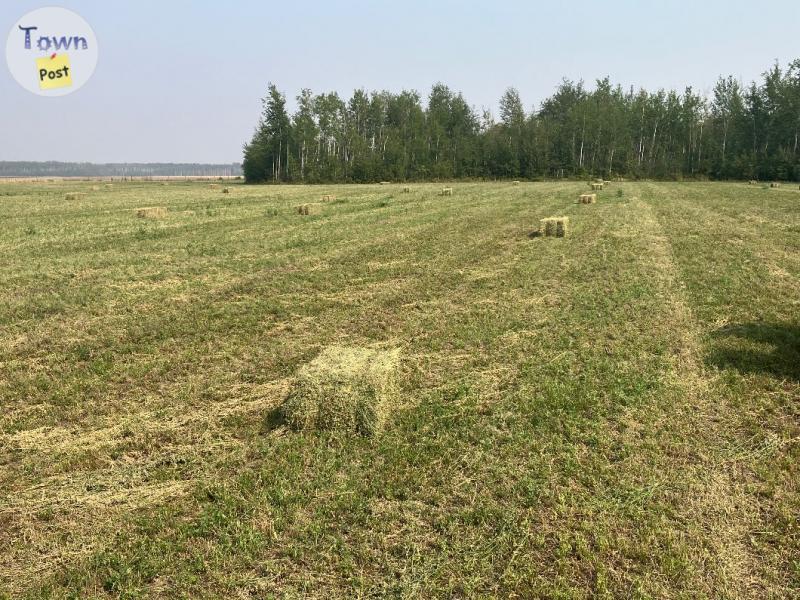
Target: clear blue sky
181, 81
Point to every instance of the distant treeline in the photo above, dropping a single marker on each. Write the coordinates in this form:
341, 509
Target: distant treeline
66, 169
740, 132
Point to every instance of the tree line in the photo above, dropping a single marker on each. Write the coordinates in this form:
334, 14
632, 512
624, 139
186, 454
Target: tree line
71, 169
740, 132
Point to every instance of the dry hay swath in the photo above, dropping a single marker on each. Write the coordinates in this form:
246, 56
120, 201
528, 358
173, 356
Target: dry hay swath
587, 199
74, 196
308, 209
596, 186
774, 184
447, 191
554, 226
151, 212
328, 197
345, 389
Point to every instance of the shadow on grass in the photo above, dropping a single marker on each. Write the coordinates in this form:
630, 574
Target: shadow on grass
769, 348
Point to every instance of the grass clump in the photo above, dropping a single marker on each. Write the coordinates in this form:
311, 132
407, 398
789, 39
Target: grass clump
344, 389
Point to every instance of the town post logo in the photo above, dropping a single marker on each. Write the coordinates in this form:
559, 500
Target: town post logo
51, 51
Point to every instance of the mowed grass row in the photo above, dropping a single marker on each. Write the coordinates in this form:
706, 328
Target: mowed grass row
613, 413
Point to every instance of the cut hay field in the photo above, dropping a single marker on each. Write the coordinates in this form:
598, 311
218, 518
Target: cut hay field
615, 413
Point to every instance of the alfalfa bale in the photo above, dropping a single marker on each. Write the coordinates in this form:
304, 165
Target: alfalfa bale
151, 212
554, 226
74, 196
596, 186
328, 198
308, 209
447, 191
587, 199
344, 389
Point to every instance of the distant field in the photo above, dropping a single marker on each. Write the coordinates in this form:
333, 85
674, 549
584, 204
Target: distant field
611, 414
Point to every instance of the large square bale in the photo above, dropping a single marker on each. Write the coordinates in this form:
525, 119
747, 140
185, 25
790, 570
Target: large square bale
344, 389
597, 186
554, 226
447, 191
587, 198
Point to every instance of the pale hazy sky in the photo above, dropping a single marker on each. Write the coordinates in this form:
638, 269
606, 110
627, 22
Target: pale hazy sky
181, 81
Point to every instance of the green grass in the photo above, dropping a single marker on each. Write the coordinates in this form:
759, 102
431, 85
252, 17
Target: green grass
612, 414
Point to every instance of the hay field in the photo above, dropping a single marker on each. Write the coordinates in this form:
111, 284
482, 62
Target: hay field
614, 413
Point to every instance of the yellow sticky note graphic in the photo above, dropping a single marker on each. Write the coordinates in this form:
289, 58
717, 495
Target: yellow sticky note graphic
54, 71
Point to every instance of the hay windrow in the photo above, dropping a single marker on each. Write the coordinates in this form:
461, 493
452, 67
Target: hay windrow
344, 389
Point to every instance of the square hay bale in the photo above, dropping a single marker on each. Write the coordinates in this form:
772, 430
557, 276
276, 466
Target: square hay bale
328, 198
447, 191
752, 182
344, 389
607, 182
554, 226
596, 186
774, 184
74, 196
587, 199
385, 183
151, 212
515, 182
308, 209
406, 190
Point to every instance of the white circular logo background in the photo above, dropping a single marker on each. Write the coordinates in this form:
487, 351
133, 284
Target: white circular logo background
51, 51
